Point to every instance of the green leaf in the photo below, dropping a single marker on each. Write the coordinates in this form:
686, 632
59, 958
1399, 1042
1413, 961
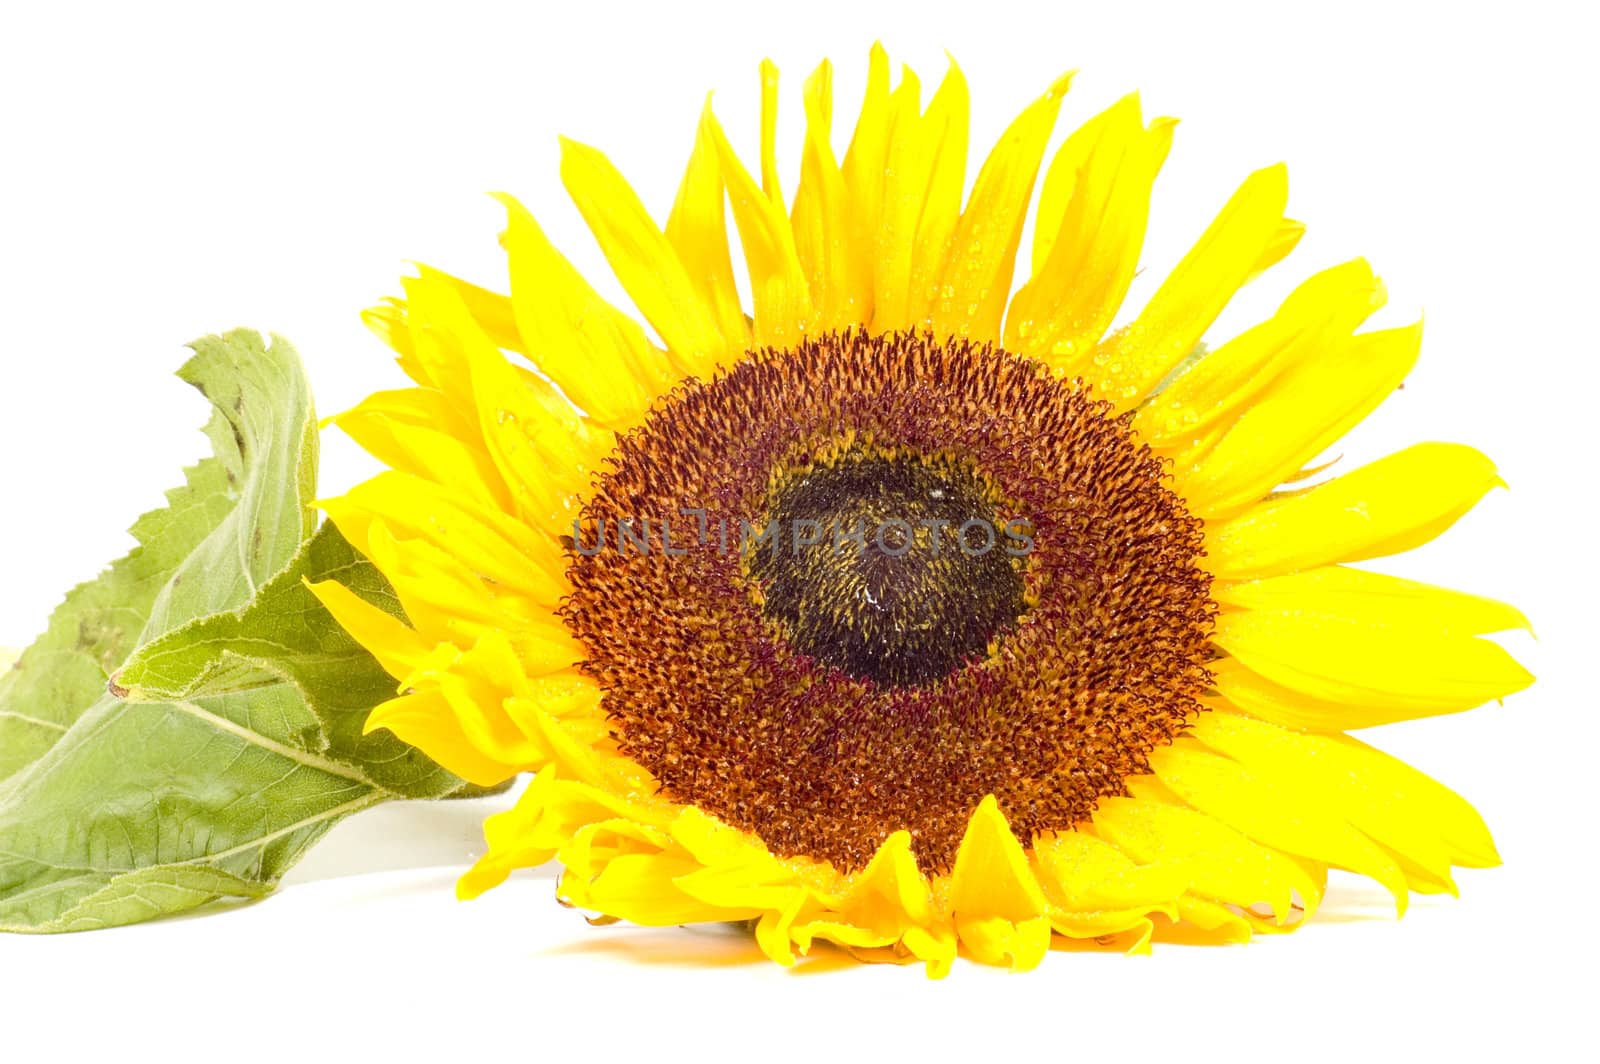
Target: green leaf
191, 722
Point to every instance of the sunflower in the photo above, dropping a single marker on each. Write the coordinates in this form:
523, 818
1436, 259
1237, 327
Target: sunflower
903, 611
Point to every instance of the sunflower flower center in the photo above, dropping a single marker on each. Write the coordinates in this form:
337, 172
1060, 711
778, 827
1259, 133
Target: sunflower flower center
825, 694
891, 568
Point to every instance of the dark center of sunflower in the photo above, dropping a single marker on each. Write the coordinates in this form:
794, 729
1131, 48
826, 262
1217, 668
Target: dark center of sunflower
825, 694
891, 568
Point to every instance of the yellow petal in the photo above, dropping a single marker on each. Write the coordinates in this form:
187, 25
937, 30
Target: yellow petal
1285, 240
1242, 689
599, 356
1404, 670
824, 228
388, 322
1062, 176
777, 281
996, 940
1376, 597
1393, 804
1249, 230
863, 170
1218, 861
1220, 924
545, 818
424, 719
1312, 405
644, 260
1064, 309
492, 312
1324, 309
478, 706
697, 229
934, 945
396, 646
983, 250
505, 551
448, 603
890, 893
1084, 874
418, 431
544, 451
436, 348
639, 888
1271, 813
1104, 924
923, 181
1389, 506
991, 876
513, 841
769, 134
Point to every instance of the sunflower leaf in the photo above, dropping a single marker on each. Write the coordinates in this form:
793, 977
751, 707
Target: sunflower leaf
191, 721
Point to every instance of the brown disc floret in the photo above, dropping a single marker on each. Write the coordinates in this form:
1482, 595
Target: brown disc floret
855, 587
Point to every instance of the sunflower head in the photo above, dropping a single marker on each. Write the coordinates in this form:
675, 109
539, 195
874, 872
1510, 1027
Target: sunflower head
909, 612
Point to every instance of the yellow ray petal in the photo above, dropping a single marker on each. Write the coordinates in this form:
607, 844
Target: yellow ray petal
778, 283
491, 311
1216, 860
769, 134
418, 431
1307, 409
1324, 309
544, 451
1105, 924
639, 888
644, 260
478, 703
824, 227
505, 551
1376, 597
448, 603
934, 945
425, 720
513, 841
983, 250
1065, 308
1388, 506
718, 845
1272, 814
387, 321
852, 936
1249, 230
599, 356
994, 940
863, 170
1083, 874
1404, 670
1393, 804
995, 899
890, 893
1218, 923
697, 229
1243, 689
1060, 179
1285, 240
923, 181
436, 348
396, 646
545, 818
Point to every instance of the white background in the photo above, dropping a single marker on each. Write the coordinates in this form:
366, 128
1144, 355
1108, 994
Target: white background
166, 172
